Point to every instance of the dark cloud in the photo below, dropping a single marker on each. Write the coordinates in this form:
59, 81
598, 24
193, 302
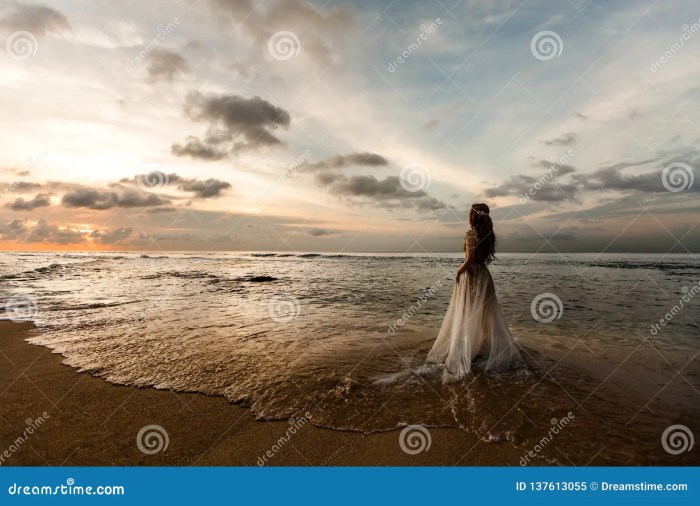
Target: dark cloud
544, 188
547, 187
195, 148
351, 159
45, 232
161, 210
565, 140
204, 189
40, 200
385, 193
19, 187
320, 232
23, 173
12, 230
613, 178
235, 124
112, 236
165, 65
37, 19
91, 198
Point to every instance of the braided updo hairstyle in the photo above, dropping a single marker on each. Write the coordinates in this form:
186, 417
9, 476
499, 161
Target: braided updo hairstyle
482, 225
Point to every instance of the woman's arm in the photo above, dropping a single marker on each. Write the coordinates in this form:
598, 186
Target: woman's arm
466, 264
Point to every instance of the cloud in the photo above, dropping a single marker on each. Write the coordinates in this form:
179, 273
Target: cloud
168, 236
91, 198
547, 187
195, 148
340, 161
37, 19
111, 237
13, 229
612, 178
202, 188
40, 200
543, 188
165, 65
320, 232
20, 187
45, 232
565, 140
161, 210
385, 193
322, 35
235, 124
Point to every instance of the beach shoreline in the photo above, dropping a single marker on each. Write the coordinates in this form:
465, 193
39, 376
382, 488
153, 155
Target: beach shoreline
54, 415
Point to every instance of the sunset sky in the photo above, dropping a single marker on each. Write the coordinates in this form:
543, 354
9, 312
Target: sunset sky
349, 125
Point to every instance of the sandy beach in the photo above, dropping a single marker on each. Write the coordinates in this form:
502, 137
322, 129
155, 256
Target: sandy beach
92, 422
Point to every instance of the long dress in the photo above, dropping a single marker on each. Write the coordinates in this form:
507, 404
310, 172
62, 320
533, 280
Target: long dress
474, 325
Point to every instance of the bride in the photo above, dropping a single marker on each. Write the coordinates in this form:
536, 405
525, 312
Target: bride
474, 324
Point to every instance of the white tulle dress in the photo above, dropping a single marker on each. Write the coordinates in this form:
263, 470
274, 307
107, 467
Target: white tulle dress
474, 325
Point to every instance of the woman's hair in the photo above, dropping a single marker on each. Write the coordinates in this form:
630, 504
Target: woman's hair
482, 225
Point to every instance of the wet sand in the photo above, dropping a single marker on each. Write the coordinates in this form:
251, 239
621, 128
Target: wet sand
91, 422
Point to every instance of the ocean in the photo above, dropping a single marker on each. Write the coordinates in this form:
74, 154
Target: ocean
612, 340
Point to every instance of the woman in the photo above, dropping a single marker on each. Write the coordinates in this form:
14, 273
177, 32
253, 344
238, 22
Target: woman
474, 323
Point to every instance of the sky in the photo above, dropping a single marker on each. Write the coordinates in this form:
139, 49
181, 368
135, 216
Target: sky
298, 125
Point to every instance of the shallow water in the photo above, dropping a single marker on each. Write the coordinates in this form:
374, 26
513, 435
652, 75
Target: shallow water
344, 338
